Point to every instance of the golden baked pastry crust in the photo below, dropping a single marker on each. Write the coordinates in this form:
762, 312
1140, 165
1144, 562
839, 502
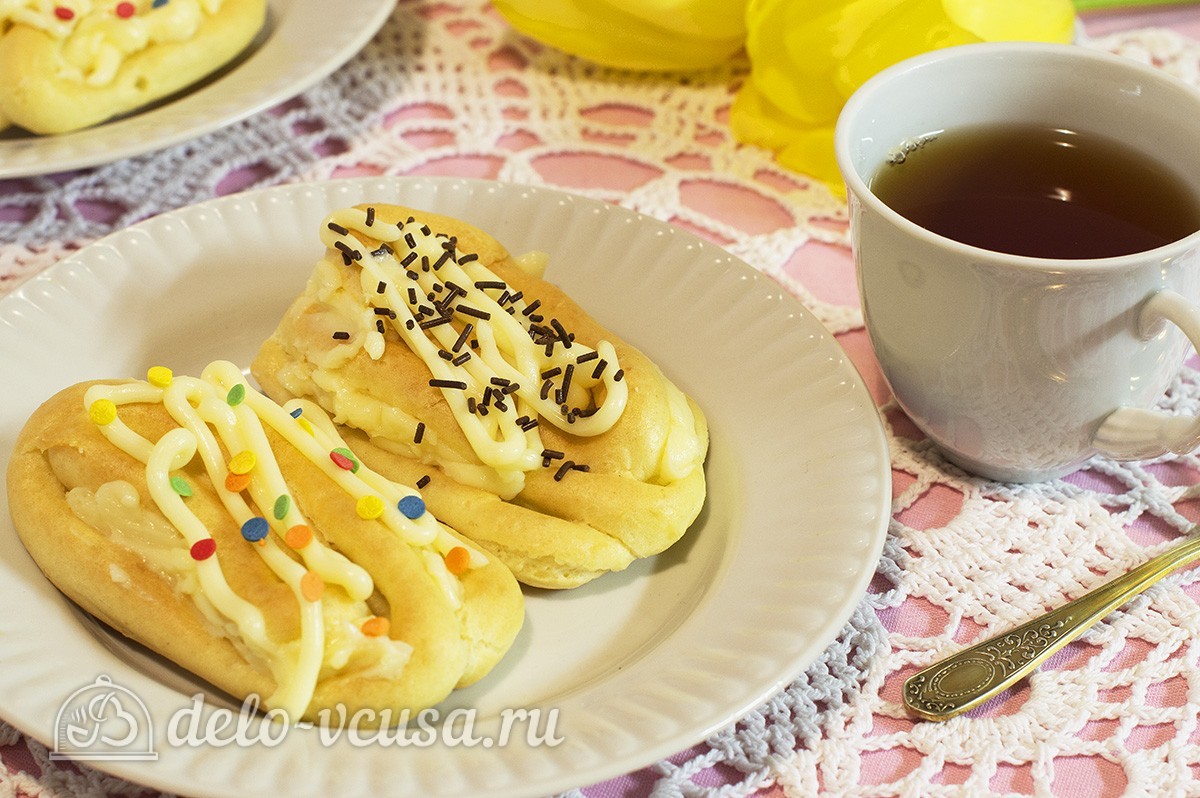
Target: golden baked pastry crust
61, 448
560, 530
37, 94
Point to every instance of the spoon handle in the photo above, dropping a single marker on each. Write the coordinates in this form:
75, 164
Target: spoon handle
970, 677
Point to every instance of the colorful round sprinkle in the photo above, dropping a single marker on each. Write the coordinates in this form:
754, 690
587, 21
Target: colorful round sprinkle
282, 505
236, 395
159, 376
411, 506
369, 507
181, 486
376, 626
298, 536
297, 412
255, 529
243, 462
458, 560
62, 12
102, 412
203, 549
312, 586
236, 483
340, 459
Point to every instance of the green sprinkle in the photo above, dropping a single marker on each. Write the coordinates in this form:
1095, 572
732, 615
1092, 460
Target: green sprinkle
282, 505
349, 455
236, 394
181, 486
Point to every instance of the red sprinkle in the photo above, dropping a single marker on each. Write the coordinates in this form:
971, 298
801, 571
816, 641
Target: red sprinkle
203, 549
125, 10
62, 12
341, 461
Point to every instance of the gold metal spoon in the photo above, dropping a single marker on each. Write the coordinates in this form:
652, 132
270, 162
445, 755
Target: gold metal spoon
965, 680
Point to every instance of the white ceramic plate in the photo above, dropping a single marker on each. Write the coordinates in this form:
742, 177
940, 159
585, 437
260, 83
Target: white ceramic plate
640, 664
297, 47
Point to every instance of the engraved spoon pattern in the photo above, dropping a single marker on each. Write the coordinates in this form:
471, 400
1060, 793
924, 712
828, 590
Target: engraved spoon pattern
970, 677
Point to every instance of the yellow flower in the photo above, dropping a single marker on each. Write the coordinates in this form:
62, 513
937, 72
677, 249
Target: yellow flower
808, 56
635, 34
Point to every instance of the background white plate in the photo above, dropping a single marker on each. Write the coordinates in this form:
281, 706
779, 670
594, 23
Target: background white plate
299, 45
640, 664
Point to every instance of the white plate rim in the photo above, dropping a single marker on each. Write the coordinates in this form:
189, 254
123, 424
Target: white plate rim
680, 690
296, 53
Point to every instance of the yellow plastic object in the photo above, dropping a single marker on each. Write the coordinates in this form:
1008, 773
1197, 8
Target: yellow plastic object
660, 35
808, 56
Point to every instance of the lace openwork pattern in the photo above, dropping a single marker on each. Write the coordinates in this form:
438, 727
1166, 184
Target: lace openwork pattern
446, 87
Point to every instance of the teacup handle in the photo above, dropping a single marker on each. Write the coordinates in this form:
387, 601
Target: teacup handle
1130, 433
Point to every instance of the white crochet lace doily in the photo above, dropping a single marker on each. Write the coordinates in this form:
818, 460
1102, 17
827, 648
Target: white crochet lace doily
447, 87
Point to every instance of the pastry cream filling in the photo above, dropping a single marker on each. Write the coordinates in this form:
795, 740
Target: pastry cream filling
219, 409
499, 367
97, 37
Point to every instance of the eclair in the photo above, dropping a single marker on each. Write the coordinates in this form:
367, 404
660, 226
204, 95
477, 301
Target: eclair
71, 64
543, 437
246, 542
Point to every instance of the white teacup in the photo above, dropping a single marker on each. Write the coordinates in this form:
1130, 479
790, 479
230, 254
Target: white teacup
1021, 368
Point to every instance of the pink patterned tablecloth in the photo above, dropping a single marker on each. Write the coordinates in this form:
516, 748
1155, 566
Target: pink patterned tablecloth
447, 88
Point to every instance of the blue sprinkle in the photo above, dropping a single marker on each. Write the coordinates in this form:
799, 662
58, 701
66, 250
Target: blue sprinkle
255, 529
159, 3
411, 506
296, 413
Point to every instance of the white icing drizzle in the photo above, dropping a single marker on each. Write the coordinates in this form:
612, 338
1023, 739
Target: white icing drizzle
219, 405
522, 368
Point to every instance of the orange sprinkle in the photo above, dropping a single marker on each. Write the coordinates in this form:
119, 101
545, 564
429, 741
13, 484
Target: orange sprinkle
458, 560
312, 586
376, 626
298, 536
236, 483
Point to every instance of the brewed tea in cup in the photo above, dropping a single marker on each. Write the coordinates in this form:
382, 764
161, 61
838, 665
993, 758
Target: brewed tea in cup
1024, 223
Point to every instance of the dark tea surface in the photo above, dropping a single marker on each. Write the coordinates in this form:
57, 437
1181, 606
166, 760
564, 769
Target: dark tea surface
1039, 192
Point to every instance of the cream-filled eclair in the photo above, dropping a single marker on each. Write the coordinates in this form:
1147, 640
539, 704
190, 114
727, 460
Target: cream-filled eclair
545, 438
248, 543
70, 64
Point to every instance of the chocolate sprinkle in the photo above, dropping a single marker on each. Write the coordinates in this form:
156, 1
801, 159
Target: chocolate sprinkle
337, 228
467, 310
420, 433
341, 335
491, 284
587, 356
463, 358
379, 289
531, 307
423, 481
463, 336
349, 255
457, 384
370, 216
